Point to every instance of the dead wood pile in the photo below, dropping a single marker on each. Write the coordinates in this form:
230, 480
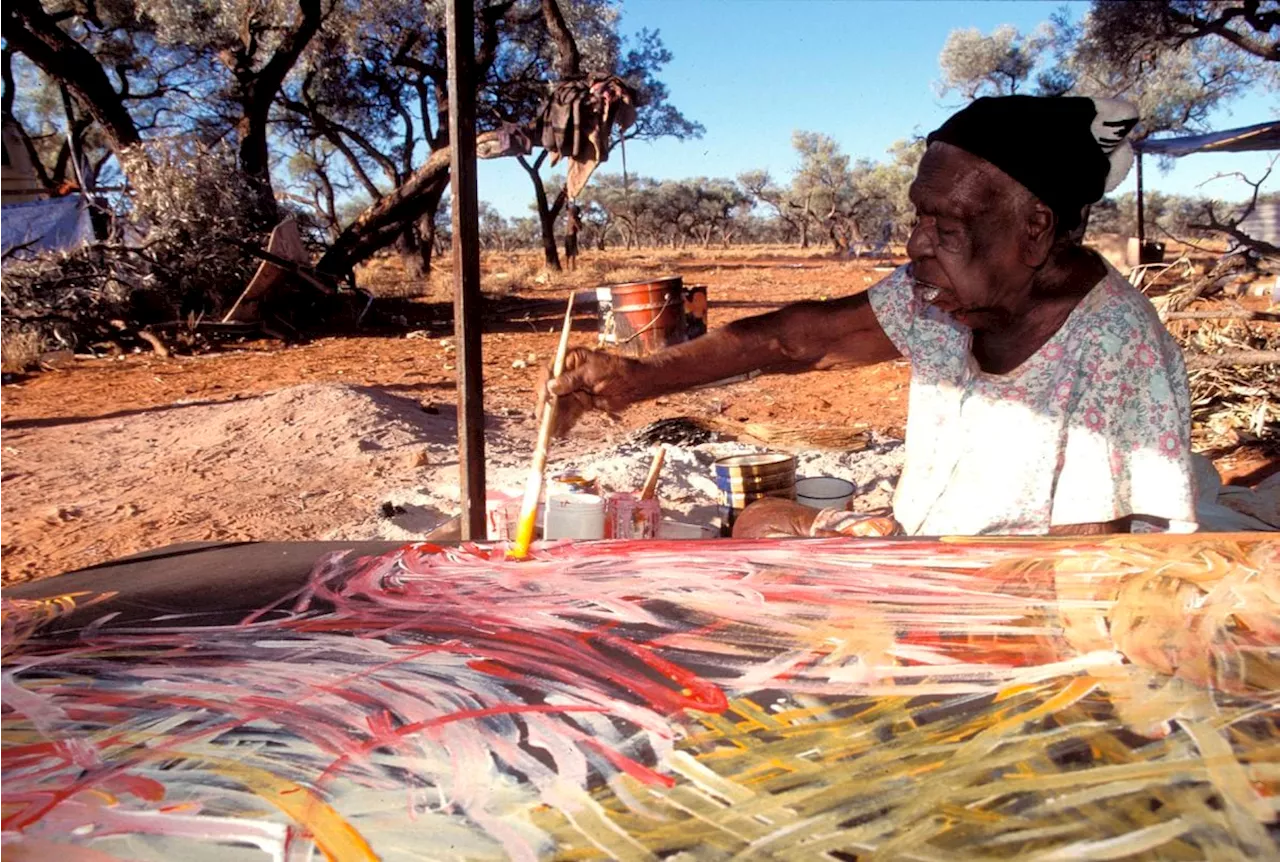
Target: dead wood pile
1232, 350
171, 256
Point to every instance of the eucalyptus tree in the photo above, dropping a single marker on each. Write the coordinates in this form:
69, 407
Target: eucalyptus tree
1154, 54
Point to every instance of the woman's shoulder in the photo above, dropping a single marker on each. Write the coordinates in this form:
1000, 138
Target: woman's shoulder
1115, 301
1119, 322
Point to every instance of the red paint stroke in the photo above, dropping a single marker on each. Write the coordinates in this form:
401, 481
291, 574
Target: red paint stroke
137, 785
695, 692
495, 668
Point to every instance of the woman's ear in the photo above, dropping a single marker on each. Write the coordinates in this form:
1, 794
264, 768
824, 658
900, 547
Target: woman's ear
1038, 233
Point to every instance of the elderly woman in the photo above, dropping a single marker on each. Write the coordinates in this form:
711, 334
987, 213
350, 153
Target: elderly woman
1046, 396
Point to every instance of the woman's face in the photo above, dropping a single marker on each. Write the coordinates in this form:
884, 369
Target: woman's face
965, 245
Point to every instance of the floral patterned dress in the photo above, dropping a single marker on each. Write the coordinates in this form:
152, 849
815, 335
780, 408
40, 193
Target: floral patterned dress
1093, 427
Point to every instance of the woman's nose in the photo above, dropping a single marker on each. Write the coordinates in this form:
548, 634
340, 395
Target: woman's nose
919, 244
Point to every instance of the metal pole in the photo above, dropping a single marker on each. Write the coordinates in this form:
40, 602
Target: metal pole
460, 15
73, 146
1142, 224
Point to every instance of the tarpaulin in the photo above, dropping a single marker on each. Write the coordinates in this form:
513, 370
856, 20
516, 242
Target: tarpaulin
57, 224
1263, 136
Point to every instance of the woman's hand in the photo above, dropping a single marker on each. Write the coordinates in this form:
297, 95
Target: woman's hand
591, 380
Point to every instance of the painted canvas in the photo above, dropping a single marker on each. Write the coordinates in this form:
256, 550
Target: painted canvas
837, 699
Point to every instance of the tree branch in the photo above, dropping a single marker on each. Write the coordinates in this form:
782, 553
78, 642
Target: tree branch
1224, 314
30, 31
568, 60
1233, 357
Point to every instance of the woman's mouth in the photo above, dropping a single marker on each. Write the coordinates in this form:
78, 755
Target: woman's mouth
929, 292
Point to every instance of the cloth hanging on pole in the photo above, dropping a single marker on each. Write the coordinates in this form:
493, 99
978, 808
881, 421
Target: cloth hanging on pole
577, 123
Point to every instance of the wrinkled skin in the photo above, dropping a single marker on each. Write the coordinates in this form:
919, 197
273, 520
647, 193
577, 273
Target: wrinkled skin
985, 251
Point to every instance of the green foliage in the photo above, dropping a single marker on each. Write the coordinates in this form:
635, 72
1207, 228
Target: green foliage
1176, 81
995, 65
1167, 216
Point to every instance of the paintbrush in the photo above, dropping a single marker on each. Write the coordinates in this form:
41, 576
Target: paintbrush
533, 487
651, 482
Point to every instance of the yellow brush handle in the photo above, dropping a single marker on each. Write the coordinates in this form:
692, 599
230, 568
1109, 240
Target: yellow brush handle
533, 487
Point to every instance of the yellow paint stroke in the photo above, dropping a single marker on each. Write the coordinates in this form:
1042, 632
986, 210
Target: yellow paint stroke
335, 837
23, 618
1072, 692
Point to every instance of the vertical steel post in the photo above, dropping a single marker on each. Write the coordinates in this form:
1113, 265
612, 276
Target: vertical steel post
460, 15
1142, 222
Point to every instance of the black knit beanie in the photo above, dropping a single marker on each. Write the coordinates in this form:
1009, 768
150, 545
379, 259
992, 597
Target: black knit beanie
1068, 151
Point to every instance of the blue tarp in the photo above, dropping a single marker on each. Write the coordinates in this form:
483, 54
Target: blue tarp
57, 224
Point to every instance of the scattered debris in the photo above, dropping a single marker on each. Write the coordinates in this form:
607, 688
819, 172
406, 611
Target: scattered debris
1233, 360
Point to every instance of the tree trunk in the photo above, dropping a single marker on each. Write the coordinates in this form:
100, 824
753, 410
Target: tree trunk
381, 222
426, 230
383, 219
427, 241
410, 251
30, 31
547, 212
567, 56
257, 92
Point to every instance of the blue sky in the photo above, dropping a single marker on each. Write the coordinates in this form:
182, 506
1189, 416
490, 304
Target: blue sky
752, 71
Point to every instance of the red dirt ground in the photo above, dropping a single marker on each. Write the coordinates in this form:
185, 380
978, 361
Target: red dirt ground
42, 536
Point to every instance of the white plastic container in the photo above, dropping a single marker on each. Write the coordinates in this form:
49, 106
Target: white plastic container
574, 516
824, 492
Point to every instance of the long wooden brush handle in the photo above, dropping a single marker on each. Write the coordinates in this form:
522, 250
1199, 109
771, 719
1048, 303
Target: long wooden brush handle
533, 487
655, 469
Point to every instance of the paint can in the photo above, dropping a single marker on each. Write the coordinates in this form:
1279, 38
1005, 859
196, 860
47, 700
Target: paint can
574, 516
695, 311
648, 315
755, 473
743, 479
825, 492
502, 514
626, 516
571, 482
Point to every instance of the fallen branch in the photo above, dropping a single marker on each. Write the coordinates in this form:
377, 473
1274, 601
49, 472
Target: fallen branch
156, 344
21, 247
1225, 314
1234, 357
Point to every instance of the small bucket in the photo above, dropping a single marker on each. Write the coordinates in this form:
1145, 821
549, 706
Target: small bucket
574, 516
824, 492
626, 516
743, 479
695, 311
648, 315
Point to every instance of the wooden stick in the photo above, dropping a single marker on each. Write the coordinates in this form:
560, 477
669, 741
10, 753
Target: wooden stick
533, 487
1225, 314
655, 469
1233, 357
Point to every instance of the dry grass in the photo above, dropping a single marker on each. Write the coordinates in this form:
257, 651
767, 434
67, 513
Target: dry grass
20, 349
